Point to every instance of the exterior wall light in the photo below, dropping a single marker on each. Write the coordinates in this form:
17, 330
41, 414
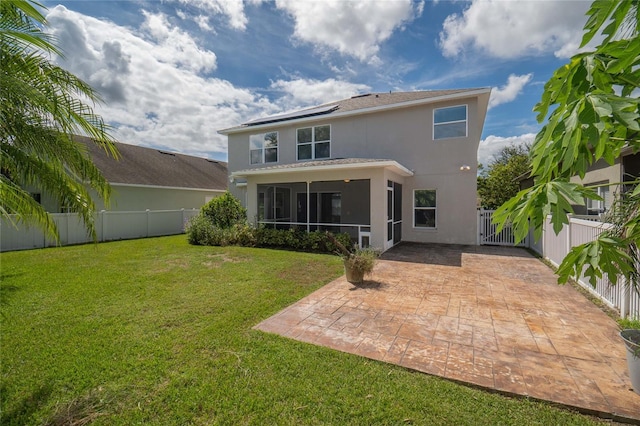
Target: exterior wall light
465, 168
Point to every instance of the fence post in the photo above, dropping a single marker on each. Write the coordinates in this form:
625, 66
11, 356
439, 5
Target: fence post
104, 225
67, 217
184, 220
542, 244
478, 226
148, 222
568, 247
625, 300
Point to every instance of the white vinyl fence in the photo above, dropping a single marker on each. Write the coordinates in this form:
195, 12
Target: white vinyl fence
555, 247
489, 235
110, 225
580, 231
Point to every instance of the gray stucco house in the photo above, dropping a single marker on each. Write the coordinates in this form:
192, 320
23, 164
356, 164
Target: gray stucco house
608, 180
384, 167
613, 179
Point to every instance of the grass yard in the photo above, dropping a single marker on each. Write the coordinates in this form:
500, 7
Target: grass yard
156, 331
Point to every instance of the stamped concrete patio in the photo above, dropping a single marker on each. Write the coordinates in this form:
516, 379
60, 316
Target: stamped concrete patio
492, 317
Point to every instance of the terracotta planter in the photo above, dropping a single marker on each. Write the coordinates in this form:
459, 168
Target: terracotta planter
632, 342
354, 276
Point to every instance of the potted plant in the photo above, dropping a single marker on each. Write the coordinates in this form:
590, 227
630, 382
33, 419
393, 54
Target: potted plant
358, 262
631, 335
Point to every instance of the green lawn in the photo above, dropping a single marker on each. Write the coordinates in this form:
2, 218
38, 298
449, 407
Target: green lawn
156, 331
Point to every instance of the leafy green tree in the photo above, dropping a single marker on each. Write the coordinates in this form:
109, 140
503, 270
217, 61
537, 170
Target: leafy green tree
592, 110
225, 211
499, 181
41, 107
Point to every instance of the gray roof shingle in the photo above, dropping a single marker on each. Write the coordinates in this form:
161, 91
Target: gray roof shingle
371, 100
360, 102
148, 166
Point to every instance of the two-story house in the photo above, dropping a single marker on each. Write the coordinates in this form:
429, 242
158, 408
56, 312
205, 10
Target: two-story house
384, 167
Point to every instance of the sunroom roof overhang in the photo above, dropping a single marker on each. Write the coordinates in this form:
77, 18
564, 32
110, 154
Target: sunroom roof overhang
342, 164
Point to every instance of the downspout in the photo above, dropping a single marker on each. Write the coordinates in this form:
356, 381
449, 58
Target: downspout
308, 206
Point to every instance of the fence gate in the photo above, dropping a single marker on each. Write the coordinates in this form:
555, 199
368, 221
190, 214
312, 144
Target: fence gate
488, 235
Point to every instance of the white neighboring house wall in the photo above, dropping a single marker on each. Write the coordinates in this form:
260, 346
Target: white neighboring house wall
128, 197
131, 197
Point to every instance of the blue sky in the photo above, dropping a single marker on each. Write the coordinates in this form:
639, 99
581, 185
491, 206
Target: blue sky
173, 72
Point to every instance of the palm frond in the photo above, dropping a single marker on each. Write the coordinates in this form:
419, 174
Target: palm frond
42, 107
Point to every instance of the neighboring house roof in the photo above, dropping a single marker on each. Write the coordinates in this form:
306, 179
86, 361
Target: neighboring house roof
152, 167
332, 164
359, 104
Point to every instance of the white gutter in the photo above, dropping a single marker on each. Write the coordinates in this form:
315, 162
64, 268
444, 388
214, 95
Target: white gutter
324, 117
330, 167
135, 185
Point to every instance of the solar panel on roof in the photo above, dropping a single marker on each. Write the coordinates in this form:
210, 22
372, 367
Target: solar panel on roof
291, 115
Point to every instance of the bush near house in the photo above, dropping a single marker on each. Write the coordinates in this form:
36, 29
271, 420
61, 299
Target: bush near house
201, 231
225, 211
299, 239
222, 222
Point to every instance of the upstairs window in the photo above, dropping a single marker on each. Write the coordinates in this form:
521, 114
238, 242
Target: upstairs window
314, 143
264, 148
450, 122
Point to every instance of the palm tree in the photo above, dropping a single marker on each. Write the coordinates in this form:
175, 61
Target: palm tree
41, 107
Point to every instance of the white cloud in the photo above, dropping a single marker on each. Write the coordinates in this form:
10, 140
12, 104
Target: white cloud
156, 94
511, 29
300, 93
355, 27
203, 22
492, 145
233, 9
175, 46
511, 90
159, 97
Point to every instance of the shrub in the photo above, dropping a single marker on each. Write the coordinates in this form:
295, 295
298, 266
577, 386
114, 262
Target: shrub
225, 211
298, 239
242, 234
200, 230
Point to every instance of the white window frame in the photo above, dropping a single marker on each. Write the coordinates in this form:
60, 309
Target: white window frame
598, 207
313, 142
444, 123
263, 149
414, 208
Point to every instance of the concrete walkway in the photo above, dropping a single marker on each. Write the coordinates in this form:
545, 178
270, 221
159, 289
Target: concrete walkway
492, 317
